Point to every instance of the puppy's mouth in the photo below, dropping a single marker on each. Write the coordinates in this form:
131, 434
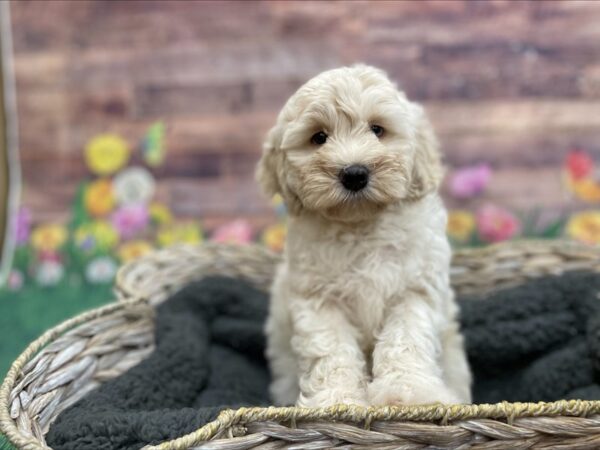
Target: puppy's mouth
352, 191
359, 200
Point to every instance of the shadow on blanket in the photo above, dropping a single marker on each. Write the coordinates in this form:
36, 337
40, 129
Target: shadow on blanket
538, 341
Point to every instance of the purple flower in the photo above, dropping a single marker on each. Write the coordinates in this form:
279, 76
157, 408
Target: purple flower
130, 220
470, 181
22, 226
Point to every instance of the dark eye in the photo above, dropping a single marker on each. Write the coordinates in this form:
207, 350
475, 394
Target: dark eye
377, 130
319, 138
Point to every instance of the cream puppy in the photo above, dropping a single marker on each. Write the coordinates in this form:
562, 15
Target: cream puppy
362, 311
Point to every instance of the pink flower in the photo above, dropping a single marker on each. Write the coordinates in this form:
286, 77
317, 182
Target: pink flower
130, 220
470, 181
15, 280
49, 255
236, 232
579, 164
496, 224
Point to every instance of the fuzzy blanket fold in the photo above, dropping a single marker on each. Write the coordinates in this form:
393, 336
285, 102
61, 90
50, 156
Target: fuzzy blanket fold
538, 341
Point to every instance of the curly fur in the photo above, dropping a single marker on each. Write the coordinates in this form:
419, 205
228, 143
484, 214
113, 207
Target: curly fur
362, 311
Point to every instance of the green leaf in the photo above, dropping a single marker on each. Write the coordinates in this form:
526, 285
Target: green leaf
153, 147
555, 229
79, 213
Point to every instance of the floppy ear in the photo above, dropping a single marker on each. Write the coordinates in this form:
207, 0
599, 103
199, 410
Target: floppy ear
427, 172
266, 170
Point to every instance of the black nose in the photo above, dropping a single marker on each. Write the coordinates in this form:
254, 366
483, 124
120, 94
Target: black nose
354, 178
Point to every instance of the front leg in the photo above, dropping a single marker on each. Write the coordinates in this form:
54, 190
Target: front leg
332, 367
454, 360
407, 356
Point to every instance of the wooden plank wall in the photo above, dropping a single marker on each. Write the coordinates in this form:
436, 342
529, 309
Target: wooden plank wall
512, 83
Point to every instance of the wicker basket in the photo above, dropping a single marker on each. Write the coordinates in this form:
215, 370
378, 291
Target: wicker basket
68, 361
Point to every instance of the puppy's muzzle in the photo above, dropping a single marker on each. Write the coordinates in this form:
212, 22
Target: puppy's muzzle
355, 177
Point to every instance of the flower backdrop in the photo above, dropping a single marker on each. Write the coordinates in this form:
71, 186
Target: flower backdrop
116, 219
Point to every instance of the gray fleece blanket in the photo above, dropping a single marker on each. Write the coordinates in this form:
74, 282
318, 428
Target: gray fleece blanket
538, 341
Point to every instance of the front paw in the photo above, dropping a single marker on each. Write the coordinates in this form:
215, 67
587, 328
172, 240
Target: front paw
324, 399
406, 391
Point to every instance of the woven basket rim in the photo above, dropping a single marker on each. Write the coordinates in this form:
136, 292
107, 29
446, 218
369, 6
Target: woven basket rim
439, 413
413, 413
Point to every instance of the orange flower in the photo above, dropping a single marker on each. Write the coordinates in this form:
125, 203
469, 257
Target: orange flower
133, 249
461, 225
99, 197
274, 237
585, 189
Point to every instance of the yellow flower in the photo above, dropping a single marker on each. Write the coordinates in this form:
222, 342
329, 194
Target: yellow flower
274, 236
180, 233
99, 197
48, 237
99, 234
277, 200
461, 225
133, 249
160, 214
585, 227
106, 153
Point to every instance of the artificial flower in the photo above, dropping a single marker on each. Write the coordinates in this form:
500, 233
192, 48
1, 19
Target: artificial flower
585, 227
496, 224
134, 186
49, 255
99, 234
179, 233
279, 205
160, 214
48, 237
22, 226
274, 237
461, 225
236, 232
49, 273
101, 270
579, 164
153, 147
133, 249
130, 220
99, 198
15, 280
106, 153
470, 181
586, 189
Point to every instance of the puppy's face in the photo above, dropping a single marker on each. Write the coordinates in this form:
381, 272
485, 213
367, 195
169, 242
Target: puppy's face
347, 144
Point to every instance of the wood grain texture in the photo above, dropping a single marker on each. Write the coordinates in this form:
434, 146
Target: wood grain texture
513, 83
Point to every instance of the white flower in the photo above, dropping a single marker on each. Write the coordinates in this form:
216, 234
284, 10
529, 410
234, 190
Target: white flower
15, 280
49, 273
134, 186
101, 270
